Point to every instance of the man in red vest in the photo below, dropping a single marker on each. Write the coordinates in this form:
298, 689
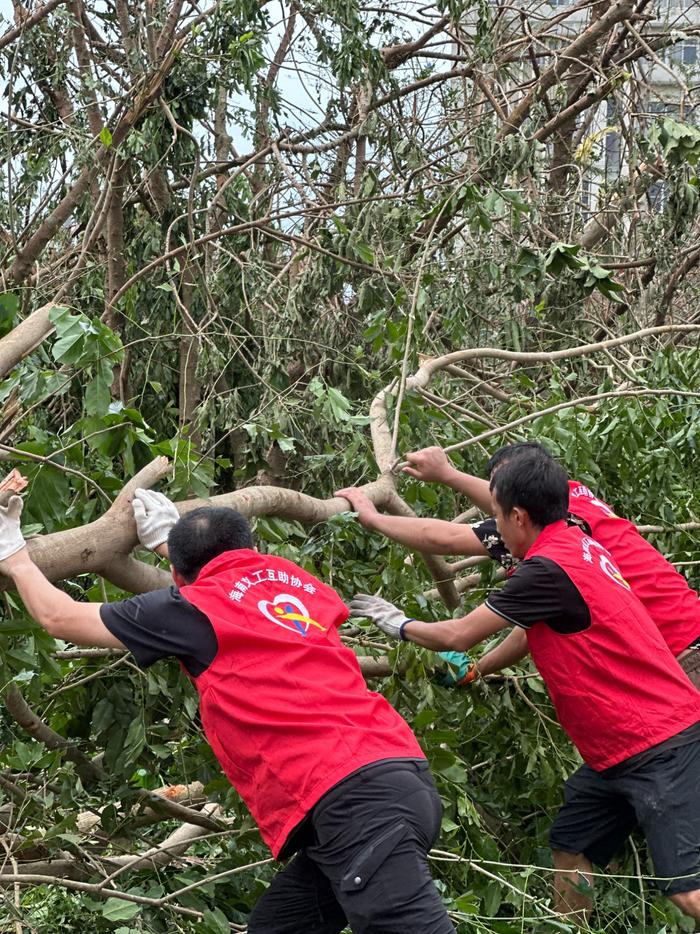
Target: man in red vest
328, 769
618, 691
666, 595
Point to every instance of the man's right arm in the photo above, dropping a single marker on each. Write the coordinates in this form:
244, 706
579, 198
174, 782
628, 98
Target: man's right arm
60, 615
432, 536
432, 466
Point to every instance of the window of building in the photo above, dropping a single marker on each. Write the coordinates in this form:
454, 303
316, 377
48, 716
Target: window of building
684, 52
673, 6
663, 108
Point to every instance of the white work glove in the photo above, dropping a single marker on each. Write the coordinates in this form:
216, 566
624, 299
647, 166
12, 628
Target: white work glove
389, 618
11, 540
155, 515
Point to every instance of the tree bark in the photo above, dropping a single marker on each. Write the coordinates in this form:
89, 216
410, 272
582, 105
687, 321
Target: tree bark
24, 338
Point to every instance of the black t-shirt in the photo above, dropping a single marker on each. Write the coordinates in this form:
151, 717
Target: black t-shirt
539, 591
162, 624
489, 536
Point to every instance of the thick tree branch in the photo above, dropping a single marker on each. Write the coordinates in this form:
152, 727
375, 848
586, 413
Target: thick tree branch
36, 17
396, 55
22, 713
565, 59
25, 338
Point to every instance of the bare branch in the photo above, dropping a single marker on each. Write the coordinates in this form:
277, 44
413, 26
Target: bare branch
20, 710
31, 20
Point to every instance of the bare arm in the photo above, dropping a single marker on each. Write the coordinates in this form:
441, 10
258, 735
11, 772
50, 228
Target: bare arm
433, 536
509, 652
456, 634
60, 615
432, 465
478, 490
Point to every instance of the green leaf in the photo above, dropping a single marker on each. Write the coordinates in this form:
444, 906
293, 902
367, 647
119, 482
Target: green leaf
102, 715
97, 396
109, 818
116, 909
106, 136
467, 904
135, 739
364, 252
561, 256
71, 331
215, 922
339, 225
338, 404
424, 718
9, 306
49, 488
69, 348
70, 837
527, 263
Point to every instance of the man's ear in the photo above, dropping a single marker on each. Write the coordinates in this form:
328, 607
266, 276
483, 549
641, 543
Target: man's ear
178, 578
521, 516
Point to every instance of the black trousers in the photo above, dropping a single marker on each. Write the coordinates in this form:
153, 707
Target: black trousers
365, 862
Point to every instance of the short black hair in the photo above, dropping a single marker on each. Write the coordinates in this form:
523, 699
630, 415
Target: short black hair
537, 484
201, 535
509, 451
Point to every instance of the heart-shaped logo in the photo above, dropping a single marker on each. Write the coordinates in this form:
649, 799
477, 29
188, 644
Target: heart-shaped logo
288, 612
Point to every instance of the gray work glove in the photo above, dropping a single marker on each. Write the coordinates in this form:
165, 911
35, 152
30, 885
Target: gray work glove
155, 515
11, 540
389, 618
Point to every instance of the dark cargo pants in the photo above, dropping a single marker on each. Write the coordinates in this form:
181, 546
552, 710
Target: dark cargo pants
365, 862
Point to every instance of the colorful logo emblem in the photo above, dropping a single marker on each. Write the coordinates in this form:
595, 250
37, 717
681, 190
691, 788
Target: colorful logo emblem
289, 612
609, 568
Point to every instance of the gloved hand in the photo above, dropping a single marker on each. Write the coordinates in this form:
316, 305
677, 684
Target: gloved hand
11, 539
155, 515
456, 668
389, 618
459, 671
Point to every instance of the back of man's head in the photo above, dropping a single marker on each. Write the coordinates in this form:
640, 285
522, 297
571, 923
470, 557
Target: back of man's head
509, 451
535, 483
201, 535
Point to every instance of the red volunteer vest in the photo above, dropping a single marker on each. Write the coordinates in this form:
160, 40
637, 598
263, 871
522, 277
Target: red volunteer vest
284, 704
616, 687
665, 593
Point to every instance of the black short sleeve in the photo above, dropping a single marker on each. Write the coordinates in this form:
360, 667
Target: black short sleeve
580, 523
162, 624
540, 591
489, 536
